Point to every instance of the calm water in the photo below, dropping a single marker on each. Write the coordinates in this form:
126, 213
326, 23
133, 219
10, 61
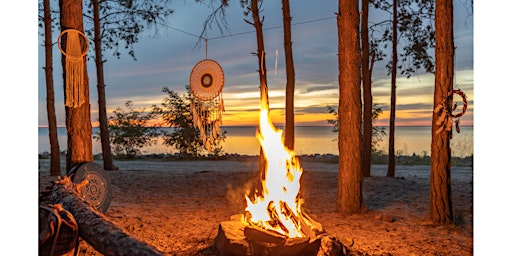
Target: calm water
308, 140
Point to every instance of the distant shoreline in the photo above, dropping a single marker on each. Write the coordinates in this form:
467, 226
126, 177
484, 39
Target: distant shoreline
324, 158
255, 126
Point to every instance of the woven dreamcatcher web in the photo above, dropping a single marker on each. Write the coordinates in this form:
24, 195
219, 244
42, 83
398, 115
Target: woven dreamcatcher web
206, 83
76, 48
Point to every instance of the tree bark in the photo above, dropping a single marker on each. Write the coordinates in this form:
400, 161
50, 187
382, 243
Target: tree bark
367, 92
78, 119
102, 111
289, 131
93, 226
440, 181
262, 70
349, 195
394, 61
50, 94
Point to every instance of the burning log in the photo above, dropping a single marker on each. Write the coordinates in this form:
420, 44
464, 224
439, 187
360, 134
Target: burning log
93, 226
274, 223
236, 237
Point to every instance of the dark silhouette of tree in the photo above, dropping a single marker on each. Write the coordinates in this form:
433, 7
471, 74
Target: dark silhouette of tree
115, 21
367, 91
289, 131
78, 119
349, 197
253, 8
410, 28
50, 94
440, 181
392, 114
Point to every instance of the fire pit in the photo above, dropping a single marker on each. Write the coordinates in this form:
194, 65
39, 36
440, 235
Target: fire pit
274, 222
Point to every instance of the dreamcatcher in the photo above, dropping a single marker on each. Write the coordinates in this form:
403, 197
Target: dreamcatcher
446, 115
76, 48
206, 83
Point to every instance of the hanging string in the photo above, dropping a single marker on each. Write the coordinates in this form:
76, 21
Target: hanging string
206, 46
241, 33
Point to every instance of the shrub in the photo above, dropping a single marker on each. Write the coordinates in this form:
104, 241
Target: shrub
130, 130
185, 137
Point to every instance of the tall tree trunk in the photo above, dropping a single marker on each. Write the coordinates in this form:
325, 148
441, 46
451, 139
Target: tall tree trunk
440, 181
50, 94
349, 195
78, 119
289, 131
262, 67
367, 92
394, 61
102, 112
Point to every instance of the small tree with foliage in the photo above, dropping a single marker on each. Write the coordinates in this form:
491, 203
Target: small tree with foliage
130, 130
185, 137
377, 132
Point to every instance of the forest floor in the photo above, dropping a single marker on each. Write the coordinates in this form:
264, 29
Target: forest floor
177, 206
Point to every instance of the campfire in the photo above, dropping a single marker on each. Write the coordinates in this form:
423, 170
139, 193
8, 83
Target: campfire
274, 222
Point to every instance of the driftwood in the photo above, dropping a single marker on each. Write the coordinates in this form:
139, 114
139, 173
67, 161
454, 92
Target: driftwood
93, 226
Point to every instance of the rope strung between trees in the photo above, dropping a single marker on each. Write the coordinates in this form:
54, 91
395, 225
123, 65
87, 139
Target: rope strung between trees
446, 114
75, 50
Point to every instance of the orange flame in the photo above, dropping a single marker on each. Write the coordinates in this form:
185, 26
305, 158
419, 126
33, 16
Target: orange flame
279, 207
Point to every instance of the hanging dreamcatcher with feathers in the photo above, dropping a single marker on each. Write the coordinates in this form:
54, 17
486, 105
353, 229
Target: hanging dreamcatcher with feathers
206, 83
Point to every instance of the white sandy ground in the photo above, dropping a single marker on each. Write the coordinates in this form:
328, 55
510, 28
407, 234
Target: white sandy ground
177, 206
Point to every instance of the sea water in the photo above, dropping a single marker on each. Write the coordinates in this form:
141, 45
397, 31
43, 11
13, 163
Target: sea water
308, 140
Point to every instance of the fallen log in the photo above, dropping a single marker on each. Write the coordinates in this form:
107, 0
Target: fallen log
93, 226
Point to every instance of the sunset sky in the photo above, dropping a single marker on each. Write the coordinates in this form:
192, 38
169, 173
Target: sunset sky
167, 56
168, 59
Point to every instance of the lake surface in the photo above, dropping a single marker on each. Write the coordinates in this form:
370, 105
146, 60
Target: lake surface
308, 140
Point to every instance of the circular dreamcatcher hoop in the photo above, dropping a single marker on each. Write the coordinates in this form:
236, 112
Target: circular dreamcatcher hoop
76, 48
206, 83
447, 114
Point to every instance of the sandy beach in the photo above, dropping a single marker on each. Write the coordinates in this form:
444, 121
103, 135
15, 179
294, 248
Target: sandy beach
177, 206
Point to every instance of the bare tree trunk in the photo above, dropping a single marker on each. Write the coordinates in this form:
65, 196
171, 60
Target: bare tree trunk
394, 61
440, 180
367, 92
50, 94
349, 195
289, 131
93, 226
102, 112
262, 66
78, 119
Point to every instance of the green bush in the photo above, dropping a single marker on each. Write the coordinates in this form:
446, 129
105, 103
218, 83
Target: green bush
185, 137
130, 130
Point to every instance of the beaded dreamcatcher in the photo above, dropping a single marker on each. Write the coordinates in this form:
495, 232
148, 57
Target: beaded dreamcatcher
446, 115
206, 83
75, 49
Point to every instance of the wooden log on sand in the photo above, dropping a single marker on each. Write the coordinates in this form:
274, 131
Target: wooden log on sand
93, 226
